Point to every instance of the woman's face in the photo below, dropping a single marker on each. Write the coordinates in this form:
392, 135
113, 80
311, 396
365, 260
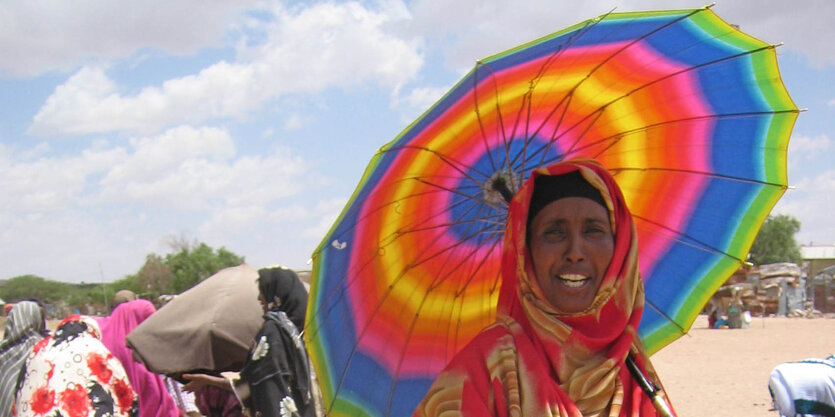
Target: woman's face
263, 302
571, 244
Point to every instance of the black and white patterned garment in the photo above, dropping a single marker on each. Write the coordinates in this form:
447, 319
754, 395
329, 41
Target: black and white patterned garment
277, 370
24, 328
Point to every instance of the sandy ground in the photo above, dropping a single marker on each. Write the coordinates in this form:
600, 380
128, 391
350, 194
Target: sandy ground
725, 372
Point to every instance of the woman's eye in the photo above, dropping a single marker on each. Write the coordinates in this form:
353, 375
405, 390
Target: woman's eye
595, 230
554, 232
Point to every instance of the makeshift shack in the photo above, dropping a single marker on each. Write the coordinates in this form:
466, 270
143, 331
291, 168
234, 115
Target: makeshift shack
773, 289
823, 290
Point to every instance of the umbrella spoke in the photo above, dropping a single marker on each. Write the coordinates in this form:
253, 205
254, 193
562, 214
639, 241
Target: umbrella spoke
448, 323
384, 296
687, 240
461, 168
616, 170
615, 138
477, 112
497, 220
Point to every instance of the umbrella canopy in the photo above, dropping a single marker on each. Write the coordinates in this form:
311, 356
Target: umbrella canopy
688, 113
210, 327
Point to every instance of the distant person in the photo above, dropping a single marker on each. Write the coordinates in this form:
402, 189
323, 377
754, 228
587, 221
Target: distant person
154, 399
24, 328
123, 296
72, 374
277, 373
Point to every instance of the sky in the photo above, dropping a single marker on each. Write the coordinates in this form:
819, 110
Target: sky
126, 126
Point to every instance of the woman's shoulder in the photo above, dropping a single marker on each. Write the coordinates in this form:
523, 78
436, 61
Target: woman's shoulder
494, 341
489, 356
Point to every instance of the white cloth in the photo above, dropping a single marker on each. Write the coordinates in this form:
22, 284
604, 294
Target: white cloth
183, 399
805, 388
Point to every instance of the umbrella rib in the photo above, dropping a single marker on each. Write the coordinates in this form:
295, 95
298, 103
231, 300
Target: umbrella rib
414, 321
374, 210
379, 305
350, 282
646, 85
499, 117
688, 69
687, 239
527, 98
446, 159
527, 101
618, 136
397, 202
615, 53
564, 100
665, 315
386, 241
701, 173
478, 112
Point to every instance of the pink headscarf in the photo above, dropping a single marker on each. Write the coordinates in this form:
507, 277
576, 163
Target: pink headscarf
154, 399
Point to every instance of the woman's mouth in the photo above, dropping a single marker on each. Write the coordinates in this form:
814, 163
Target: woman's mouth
573, 280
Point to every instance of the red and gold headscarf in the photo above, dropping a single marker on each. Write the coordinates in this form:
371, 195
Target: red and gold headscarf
538, 361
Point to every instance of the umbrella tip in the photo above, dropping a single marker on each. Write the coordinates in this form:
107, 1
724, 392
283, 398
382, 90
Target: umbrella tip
709, 6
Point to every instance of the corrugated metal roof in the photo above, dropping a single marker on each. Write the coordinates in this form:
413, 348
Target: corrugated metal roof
818, 252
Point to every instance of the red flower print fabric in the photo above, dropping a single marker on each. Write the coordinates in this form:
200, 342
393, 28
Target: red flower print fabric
72, 374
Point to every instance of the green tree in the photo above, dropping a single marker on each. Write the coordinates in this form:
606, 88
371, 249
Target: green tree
775, 242
193, 264
190, 263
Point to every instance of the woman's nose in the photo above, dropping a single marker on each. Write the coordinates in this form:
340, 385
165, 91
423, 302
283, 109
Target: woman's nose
574, 251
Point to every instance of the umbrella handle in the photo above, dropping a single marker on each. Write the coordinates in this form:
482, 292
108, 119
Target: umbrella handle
653, 393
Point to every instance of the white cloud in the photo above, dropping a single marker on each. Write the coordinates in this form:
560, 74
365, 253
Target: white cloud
831, 103
295, 121
71, 245
424, 97
42, 183
303, 50
188, 168
809, 146
109, 204
327, 212
231, 221
42, 36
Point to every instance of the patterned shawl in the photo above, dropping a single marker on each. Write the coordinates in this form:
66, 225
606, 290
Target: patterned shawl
537, 361
154, 399
24, 328
72, 374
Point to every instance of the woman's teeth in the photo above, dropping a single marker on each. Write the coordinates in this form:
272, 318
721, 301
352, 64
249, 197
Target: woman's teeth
573, 280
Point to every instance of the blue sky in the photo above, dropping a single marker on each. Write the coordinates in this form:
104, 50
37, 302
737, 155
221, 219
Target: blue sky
124, 127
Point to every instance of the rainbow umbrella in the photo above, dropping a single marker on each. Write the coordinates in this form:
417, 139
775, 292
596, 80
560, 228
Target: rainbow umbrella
687, 112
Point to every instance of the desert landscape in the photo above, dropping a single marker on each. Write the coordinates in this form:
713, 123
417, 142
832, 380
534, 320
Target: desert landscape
725, 372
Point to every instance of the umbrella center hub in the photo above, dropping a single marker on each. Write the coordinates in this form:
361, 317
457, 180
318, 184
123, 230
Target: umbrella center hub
500, 188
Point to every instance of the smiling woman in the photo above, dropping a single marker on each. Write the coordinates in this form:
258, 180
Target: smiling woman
564, 341
570, 239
